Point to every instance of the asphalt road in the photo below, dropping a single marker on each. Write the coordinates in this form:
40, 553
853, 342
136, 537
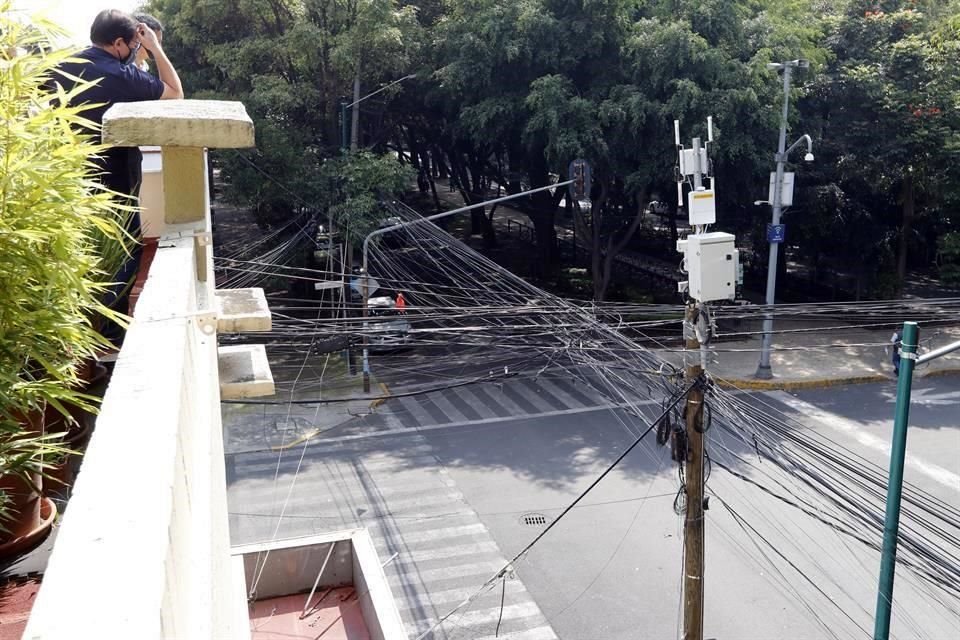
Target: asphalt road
452, 480
611, 569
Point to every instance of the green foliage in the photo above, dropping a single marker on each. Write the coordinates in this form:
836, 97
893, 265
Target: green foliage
55, 224
885, 110
290, 62
949, 258
356, 184
512, 91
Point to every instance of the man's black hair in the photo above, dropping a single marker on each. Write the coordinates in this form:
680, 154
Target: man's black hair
111, 24
148, 20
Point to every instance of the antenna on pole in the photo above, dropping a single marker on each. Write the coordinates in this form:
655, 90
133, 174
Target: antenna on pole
701, 204
679, 168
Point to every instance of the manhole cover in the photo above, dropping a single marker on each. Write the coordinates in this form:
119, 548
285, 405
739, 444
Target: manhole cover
293, 423
534, 520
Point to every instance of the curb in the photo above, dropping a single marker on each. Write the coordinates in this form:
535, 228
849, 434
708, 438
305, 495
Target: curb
937, 373
794, 385
819, 383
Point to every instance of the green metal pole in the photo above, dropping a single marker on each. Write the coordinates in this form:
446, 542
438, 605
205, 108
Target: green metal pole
898, 451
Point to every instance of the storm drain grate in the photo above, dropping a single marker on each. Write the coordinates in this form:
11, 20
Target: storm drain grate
534, 519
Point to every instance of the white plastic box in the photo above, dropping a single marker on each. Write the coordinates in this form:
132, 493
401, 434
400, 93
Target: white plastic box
712, 264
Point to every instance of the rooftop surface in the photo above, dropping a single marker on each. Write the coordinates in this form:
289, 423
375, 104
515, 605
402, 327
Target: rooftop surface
333, 615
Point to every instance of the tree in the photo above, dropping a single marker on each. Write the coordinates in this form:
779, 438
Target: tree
355, 185
290, 62
887, 108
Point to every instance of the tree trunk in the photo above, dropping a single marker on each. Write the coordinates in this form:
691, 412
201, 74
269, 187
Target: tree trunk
489, 231
546, 233
355, 124
908, 204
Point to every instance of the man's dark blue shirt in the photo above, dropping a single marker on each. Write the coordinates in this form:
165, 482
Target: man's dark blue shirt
118, 167
118, 82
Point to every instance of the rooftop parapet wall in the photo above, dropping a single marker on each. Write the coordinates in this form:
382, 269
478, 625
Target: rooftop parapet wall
143, 550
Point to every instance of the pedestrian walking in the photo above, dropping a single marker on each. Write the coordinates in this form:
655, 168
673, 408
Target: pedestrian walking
401, 304
896, 340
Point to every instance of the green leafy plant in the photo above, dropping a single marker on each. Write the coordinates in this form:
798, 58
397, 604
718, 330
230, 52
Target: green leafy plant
26, 456
948, 247
359, 181
56, 223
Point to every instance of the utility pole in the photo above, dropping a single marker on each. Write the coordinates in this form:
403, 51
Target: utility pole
366, 340
344, 126
693, 530
764, 372
712, 264
693, 474
355, 120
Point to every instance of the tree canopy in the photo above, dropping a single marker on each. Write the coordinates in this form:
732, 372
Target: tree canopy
508, 93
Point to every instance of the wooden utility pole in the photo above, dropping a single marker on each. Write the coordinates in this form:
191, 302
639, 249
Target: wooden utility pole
693, 477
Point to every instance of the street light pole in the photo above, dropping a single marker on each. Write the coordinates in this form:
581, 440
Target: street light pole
898, 451
764, 372
365, 273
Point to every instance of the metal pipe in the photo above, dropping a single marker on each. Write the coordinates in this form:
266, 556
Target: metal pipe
316, 582
936, 353
898, 451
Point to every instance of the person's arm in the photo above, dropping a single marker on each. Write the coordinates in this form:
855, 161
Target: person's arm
172, 89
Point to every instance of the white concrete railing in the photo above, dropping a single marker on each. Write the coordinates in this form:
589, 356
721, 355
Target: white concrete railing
143, 550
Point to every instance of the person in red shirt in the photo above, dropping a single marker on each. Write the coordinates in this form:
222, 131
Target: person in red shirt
401, 304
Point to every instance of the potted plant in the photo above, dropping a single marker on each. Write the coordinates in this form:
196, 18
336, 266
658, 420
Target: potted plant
53, 219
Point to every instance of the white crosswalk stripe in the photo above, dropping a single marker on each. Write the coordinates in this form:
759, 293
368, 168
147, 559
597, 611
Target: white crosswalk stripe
392, 486
487, 401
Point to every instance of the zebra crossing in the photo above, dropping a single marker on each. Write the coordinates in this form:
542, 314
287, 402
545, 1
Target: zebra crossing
489, 402
395, 487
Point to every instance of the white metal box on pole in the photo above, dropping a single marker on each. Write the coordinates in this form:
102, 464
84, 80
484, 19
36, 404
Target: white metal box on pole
712, 264
786, 188
702, 206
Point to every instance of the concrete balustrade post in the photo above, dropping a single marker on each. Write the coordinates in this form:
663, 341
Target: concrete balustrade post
183, 129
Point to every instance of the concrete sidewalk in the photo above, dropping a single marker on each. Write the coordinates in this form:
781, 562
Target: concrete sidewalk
818, 358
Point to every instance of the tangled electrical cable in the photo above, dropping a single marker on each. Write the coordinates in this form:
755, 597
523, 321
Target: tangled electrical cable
467, 316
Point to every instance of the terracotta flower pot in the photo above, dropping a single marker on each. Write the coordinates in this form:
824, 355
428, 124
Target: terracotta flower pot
31, 515
76, 433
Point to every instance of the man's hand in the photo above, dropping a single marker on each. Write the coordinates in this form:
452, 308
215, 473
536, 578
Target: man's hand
148, 38
173, 90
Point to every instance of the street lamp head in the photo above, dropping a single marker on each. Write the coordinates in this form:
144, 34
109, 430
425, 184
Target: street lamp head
808, 157
757, 203
775, 66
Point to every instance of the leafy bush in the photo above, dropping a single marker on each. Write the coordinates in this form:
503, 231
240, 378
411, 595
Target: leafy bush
948, 247
360, 180
53, 222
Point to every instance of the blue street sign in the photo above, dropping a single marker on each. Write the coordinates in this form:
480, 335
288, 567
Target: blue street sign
776, 233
